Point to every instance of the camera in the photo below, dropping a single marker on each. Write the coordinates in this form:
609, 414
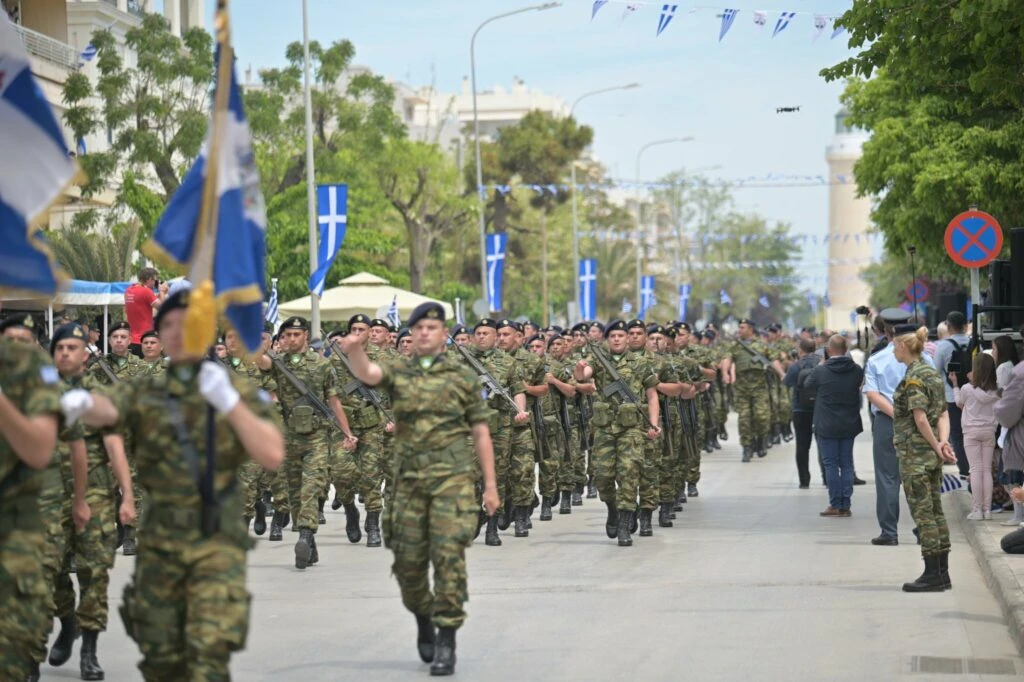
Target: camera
863, 310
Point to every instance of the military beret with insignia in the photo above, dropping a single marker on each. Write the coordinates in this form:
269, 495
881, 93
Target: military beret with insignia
377, 322
149, 334
534, 337
486, 322
71, 330
614, 326
18, 320
119, 326
596, 325
671, 332
456, 330
335, 333
555, 328
698, 335
636, 323
655, 329
709, 334
747, 321
554, 337
296, 322
580, 327
405, 331
359, 318
426, 311
683, 325
506, 323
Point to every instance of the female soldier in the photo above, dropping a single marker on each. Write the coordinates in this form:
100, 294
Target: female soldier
920, 430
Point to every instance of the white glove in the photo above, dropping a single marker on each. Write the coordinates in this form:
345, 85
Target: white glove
74, 404
215, 386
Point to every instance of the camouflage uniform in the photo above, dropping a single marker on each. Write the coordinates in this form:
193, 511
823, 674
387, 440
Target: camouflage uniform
32, 385
571, 466
619, 431
436, 512
187, 607
158, 366
689, 443
522, 477
555, 451
702, 410
751, 394
920, 467
254, 478
652, 467
307, 435
502, 368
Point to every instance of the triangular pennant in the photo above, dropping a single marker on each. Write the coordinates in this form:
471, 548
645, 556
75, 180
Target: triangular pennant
820, 22
782, 22
760, 18
598, 4
728, 16
667, 12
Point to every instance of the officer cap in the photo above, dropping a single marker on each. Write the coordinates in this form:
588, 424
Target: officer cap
19, 320
359, 318
456, 330
71, 330
149, 334
636, 323
902, 329
655, 329
894, 316
614, 326
176, 301
426, 311
296, 322
377, 322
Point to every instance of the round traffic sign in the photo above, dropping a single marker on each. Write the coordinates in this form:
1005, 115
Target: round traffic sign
917, 291
973, 239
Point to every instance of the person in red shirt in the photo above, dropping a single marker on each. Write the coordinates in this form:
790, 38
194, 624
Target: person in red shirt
139, 303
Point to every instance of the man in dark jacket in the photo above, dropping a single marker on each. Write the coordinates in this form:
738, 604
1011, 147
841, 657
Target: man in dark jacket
837, 421
803, 407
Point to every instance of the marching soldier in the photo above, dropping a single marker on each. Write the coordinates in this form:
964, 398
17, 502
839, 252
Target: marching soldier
152, 352
555, 445
743, 367
702, 361
439, 410
572, 467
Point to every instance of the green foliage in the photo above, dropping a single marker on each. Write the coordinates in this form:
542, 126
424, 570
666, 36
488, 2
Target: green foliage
96, 256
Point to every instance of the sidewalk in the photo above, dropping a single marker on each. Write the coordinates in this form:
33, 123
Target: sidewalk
1003, 572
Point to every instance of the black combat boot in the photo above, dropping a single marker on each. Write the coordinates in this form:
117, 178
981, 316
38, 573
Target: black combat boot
611, 524
303, 548
545, 509
723, 434
577, 496
714, 441
268, 503
60, 652
129, 548
709, 447
491, 537
665, 515
91, 669
314, 555
646, 530
352, 523
680, 499
944, 570
276, 527
481, 521
520, 514
565, 506
505, 516
691, 490
746, 454
119, 532
591, 488
321, 519
425, 637
634, 521
625, 521
930, 580
336, 502
286, 518
33, 676
444, 652
259, 522
373, 529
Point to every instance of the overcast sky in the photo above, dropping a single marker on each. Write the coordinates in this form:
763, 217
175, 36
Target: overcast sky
724, 93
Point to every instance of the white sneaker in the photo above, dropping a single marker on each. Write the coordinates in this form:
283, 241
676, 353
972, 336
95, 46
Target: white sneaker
1010, 522
987, 516
975, 515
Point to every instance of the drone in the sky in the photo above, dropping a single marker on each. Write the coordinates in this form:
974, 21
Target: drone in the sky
786, 110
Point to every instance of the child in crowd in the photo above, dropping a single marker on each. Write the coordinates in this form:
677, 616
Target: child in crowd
978, 399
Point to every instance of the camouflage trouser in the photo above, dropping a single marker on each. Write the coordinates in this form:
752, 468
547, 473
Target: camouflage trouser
650, 473
360, 470
501, 441
618, 455
921, 474
721, 405
249, 480
187, 609
388, 459
670, 475
521, 472
784, 405
277, 483
55, 512
432, 521
691, 455
752, 406
305, 467
574, 471
93, 551
23, 590
550, 467
137, 492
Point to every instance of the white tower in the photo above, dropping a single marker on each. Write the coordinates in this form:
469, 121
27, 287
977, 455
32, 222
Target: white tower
184, 14
849, 219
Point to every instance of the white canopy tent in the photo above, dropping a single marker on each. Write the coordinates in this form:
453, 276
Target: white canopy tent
361, 293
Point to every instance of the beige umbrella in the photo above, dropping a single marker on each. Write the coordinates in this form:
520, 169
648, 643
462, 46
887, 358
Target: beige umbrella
361, 293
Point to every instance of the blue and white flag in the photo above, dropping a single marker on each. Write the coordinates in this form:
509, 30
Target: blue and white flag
836, 30
765, 303
647, 299
393, 317
237, 255
598, 4
684, 299
460, 313
728, 16
34, 169
80, 147
723, 297
588, 288
950, 483
496, 246
88, 54
782, 22
627, 307
667, 12
270, 314
825, 301
332, 214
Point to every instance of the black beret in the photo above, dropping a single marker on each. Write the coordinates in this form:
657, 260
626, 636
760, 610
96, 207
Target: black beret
554, 337
580, 327
683, 325
655, 329
377, 322
534, 337
701, 334
614, 326
426, 311
404, 332
179, 299
747, 320
67, 331
456, 330
334, 333
531, 323
149, 334
359, 318
295, 322
124, 325
508, 323
486, 322
596, 325
555, 328
710, 333
901, 329
18, 320
636, 323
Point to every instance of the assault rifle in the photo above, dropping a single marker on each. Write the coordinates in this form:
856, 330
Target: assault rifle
365, 393
102, 362
617, 387
490, 383
314, 402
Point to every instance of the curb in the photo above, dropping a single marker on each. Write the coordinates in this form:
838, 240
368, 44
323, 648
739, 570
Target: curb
995, 566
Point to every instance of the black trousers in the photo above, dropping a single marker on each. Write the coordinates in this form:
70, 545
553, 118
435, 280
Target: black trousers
956, 438
802, 422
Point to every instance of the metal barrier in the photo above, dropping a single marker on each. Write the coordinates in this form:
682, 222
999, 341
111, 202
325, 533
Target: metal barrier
50, 49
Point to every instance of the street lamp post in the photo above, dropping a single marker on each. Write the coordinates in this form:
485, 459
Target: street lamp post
639, 215
476, 134
314, 300
572, 172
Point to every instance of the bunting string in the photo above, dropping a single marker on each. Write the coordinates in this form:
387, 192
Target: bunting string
759, 239
751, 181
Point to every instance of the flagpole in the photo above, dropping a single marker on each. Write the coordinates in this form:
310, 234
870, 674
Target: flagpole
314, 300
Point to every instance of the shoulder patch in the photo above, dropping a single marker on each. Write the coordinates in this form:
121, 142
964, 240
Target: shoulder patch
49, 374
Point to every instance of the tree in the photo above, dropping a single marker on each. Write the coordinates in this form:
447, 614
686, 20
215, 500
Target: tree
944, 112
97, 257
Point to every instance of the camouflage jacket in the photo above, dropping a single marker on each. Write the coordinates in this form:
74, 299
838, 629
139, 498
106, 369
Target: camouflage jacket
158, 366
502, 367
921, 389
123, 367
638, 374
361, 414
312, 370
743, 360
436, 402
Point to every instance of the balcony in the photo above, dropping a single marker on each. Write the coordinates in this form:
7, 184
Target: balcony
47, 48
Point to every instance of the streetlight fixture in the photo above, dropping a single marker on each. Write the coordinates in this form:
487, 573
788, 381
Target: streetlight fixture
575, 228
476, 133
639, 227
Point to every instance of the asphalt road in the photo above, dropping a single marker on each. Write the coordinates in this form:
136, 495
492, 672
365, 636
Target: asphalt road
750, 584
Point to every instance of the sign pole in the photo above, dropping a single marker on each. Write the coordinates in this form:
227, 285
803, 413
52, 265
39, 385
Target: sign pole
975, 287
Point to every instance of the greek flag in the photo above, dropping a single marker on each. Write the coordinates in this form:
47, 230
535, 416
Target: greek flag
496, 244
667, 12
236, 256
588, 288
88, 54
34, 169
684, 299
950, 482
270, 315
782, 22
393, 316
647, 300
723, 297
460, 314
598, 4
627, 307
332, 209
765, 303
728, 16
